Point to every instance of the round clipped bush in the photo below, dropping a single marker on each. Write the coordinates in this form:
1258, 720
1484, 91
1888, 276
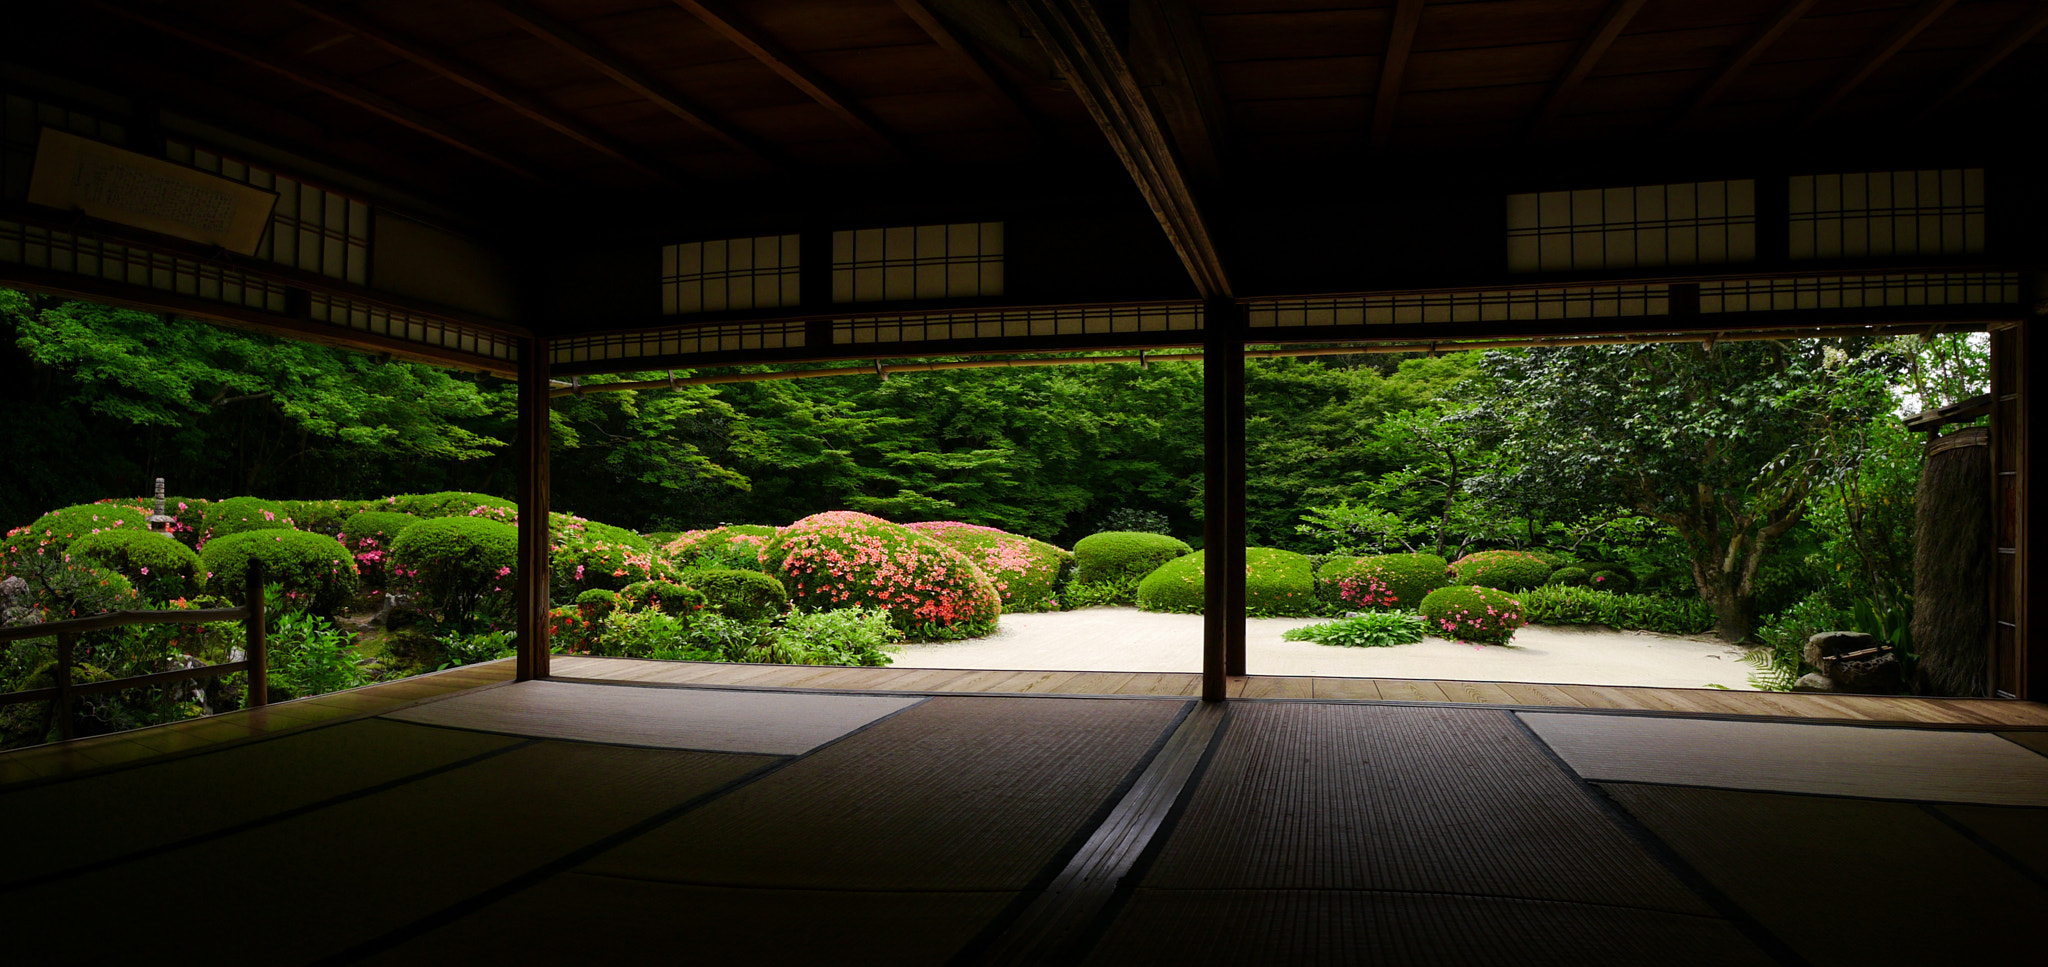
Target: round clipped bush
567, 529
54, 532
734, 545
240, 515
1503, 570
1113, 556
1276, 584
1025, 571
596, 603
741, 594
1610, 580
187, 514
1385, 581
667, 597
159, 567
456, 563
453, 503
582, 565
843, 559
1471, 613
369, 536
317, 573
1570, 576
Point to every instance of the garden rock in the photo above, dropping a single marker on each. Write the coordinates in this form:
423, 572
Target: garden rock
1874, 671
1814, 682
1828, 644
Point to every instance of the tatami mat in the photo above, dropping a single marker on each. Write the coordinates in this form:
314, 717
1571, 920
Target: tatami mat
771, 723
2037, 741
1835, 760
320, 883
2020, 833
1846, 881
1343, 928
1393, 798
580, 919
960, 793
76, 823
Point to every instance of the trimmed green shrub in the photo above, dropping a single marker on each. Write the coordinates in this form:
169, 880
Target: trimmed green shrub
1473, 613
60, 588
54, 532
1113, 556
596, 603
594, 563
1384, 581
457, 565
567, 529
744, 595
1611, 581
328, 517
734, 545
317, 573
240, 515
1555, 559
1025, 572
842, 559
188, 515
1559, 604
1378, 629
160, 568
368, 537
1501, 570
1277, 584
664, 596
1570, 577
453, 503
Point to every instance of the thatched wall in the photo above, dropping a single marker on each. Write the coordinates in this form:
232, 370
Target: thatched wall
1952, 565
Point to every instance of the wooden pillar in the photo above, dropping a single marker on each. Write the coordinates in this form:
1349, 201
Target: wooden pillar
2019, 656
531, 445
256, 637
1223, 497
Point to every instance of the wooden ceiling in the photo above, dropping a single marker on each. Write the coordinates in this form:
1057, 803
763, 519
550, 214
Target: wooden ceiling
701, 100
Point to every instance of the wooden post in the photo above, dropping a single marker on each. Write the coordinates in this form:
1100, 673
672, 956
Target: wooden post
534, 484
66, 642
1222, 497
256, 638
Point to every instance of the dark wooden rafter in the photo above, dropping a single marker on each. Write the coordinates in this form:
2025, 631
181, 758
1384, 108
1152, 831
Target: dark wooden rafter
1393, 64
1087, 53
1166, 40
1902, 33
1584, 58
2012, 40
640, 81
970, 61
419, 121
1766, 34
772, 55
473, 79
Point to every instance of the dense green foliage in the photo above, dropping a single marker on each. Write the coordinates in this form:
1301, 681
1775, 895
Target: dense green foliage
238, 515
453, 503
740, 594
1571, 576
1381, 581
457, 565
53, 533
159, 567
1473, 613
1378, 629
1276, 584
734, 545
369, 536
665, 596
1114, 557
1501, 570
842, 559
1025, 572
1559, 604
317, 573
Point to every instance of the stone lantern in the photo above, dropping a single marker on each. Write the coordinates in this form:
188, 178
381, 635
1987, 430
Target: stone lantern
160, 522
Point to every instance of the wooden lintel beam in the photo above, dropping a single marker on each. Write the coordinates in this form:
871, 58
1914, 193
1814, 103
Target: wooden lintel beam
1393, 65
786, 65
596, 56
343, 90
1583, 60
1088, 54
1766, 34
2009, 43
469, 77
984, 74
1902, 33
1166, 40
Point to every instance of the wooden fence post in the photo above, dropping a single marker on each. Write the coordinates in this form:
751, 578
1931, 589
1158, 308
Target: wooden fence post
66, 728
256, 639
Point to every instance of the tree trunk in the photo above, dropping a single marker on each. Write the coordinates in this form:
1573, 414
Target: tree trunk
1731, 609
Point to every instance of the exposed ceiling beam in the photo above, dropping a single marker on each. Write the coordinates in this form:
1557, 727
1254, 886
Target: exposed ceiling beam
419, 121
785, 64
1400, 40
469, 77
1584, 59
976, 67
1166, 40
1902, 33
584, 48
1765, 35
1084, 49
2014, 38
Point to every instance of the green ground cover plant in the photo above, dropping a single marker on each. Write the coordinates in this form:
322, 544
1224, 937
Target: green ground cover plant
1559, 604
1376, 629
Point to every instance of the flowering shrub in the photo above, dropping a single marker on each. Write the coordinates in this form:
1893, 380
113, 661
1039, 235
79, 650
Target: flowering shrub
595, 603
842, 559
458, 565
239, 515
159, 567
1475, 614
328, 517
1112, 556
188, 515
1025, 571
1505, 570
734, 545
1386, 581
744, 595
452, 503
53, 532
317, 573
665, 596
369, 536
570, 630
1276, 583
586, 564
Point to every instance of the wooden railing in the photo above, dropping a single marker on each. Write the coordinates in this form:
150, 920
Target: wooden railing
255, 639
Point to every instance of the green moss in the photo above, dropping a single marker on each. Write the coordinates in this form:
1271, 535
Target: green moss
1026, 572
1113, 556
1504, 570
1385, 581
316, 571
160, 568
741, 594
1470, 613
1276, 583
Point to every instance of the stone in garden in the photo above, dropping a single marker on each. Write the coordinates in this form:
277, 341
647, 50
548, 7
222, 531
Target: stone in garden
1828, 644
1876, 675
1814, 682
